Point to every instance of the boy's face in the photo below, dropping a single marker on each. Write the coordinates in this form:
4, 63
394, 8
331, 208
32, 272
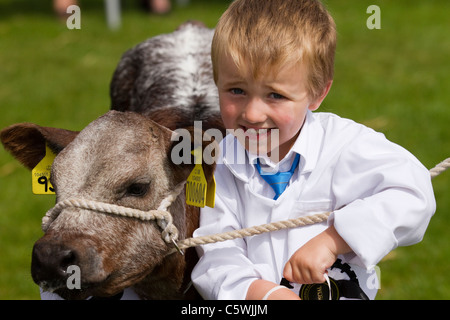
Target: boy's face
266, 113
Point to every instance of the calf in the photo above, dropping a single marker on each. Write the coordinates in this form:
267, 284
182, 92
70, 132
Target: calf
169, 72
124, 158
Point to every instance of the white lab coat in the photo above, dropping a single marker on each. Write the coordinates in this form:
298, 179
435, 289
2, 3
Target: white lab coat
380, 195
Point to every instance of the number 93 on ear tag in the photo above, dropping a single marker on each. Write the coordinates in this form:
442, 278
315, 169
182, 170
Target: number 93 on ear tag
40, 175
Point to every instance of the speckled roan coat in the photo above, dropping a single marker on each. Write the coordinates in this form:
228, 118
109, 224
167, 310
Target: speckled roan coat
123, 158
169, 74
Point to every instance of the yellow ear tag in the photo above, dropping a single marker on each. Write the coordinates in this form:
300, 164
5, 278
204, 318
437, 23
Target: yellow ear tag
40, 175
198, 192
211, 193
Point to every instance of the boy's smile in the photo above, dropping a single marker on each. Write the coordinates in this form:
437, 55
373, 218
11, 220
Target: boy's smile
265, 113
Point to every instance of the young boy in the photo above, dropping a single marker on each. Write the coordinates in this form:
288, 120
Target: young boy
273, 65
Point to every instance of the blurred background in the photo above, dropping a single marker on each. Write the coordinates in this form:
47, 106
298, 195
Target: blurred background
394, 79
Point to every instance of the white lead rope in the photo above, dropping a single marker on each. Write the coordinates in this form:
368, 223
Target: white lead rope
170, 233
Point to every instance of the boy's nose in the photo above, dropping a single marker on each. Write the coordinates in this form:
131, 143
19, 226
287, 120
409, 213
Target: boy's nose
255, 112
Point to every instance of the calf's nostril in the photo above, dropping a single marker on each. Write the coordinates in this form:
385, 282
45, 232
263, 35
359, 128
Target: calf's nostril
67, 258
50, 261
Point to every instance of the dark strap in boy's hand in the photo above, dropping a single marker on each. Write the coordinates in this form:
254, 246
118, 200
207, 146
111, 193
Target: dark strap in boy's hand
339, 288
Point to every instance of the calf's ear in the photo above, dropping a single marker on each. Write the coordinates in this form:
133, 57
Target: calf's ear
182, 157
26, 141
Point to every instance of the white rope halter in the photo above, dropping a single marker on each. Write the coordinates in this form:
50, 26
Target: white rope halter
161, 215
170, 233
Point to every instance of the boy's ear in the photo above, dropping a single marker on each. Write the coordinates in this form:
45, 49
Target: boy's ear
316, 104
184, 151
26, 141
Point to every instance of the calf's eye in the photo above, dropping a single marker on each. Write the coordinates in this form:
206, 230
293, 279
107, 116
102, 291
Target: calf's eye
138, 189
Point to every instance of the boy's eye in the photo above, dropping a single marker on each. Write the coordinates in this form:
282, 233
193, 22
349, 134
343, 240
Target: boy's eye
277, 96
236, 91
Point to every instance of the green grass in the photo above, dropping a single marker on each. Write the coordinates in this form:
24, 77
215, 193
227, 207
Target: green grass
395, 80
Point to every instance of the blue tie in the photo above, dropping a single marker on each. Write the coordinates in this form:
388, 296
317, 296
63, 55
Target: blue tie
278, 181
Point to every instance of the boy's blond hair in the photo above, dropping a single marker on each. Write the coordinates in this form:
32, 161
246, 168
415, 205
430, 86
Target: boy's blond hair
263, 35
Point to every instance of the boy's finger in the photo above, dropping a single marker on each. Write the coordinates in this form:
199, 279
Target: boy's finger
293, 274
287, 272
318, 277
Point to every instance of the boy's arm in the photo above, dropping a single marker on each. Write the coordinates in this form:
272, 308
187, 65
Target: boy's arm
310, 262
224, 270
384, 195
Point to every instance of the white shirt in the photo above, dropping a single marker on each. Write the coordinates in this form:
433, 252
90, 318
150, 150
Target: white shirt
380, 195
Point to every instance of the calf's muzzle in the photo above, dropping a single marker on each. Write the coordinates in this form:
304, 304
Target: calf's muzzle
49, 264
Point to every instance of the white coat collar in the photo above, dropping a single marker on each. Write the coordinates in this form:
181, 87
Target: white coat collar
308, 145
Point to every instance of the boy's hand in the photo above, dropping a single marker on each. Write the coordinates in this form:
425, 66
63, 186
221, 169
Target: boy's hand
310, 262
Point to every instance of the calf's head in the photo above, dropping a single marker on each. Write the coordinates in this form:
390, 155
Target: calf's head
122, 159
